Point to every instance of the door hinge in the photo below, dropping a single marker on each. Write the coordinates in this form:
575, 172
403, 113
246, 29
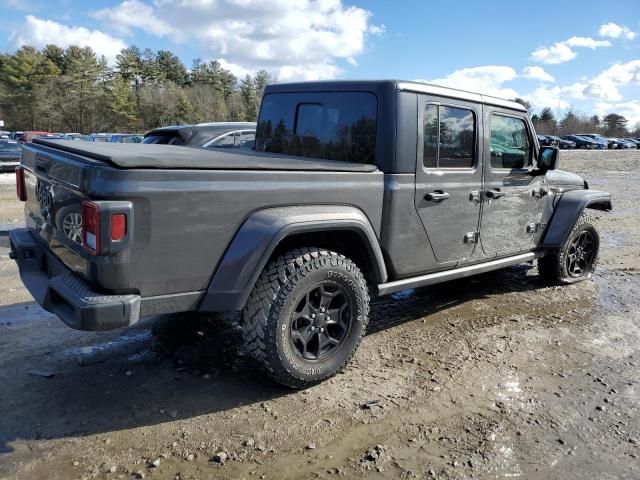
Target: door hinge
471, 237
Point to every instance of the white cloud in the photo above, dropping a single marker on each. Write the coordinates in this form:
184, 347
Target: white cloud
133, 14
629, 110
553, 97
605, 85
561, 52
294, 39
37, 32
487, 79
537, 73
613, 30
587, 42
557, 53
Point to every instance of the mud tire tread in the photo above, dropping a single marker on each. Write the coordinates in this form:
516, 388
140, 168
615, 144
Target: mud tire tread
552, 268
261, 313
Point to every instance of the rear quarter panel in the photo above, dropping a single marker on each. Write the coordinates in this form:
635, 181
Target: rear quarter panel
186, 219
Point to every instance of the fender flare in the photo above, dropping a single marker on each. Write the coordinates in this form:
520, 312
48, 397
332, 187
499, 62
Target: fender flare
259, 235
567, 211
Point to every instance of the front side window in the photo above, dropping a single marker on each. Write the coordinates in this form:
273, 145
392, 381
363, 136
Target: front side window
510, 145
449, 136
329, 125
227, 141
247, 140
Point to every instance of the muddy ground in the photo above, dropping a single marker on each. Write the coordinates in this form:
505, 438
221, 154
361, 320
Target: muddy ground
491, 377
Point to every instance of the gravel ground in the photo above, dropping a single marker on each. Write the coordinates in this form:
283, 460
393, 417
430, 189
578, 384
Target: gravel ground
490, 377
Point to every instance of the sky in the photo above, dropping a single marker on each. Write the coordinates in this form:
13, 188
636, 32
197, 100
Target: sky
582, 55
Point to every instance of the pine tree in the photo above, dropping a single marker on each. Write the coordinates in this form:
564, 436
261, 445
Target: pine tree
248, 93
183, 109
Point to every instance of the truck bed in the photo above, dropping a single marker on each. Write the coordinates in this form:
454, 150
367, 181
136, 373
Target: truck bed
187, 205
132, 155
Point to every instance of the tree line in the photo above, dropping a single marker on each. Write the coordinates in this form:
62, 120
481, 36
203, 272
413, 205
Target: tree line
75, 90
610, 125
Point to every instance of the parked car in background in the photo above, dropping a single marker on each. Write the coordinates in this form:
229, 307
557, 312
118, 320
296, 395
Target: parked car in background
126, 138
582, 142
207, 135
610, 142
624, 143
547, 141
16, 134
99, 137
27, 136
78, 137
10, 151
562, 143
635, 141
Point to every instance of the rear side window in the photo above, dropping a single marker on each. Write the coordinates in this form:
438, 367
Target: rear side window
328, 125
449, 136
510, 145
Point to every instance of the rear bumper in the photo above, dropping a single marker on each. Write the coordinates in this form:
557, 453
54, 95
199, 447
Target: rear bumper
64, 293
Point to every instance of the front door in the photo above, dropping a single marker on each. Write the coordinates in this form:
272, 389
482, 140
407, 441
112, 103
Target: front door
511, 194
449, 176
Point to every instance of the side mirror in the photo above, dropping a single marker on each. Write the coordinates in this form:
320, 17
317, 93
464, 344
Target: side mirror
547, 159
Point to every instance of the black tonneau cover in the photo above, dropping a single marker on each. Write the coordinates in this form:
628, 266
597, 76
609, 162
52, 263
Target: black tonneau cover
136, 155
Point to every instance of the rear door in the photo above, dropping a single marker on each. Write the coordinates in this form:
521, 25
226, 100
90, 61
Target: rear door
511, 194
449, 176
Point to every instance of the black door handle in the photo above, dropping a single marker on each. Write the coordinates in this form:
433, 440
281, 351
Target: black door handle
495, 193
436, 196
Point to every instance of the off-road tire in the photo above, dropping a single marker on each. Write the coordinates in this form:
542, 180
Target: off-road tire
553, 266
267, 316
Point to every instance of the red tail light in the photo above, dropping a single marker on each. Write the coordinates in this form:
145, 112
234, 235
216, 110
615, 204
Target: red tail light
21, 189
118, 226
91, 227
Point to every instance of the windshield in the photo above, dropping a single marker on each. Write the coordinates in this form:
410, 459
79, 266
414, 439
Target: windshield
9, 147
168, 138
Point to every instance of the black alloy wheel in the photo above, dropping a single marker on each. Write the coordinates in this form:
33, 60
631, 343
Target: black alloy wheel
320, 321
581, 253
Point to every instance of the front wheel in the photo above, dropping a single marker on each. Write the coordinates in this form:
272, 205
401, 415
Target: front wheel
576, 260
306, 316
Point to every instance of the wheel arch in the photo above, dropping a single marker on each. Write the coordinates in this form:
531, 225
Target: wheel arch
567, 211
270, 232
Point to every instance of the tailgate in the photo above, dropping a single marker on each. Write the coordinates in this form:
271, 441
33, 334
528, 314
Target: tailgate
53, 182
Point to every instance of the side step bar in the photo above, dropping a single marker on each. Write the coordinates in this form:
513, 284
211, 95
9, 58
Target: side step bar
462, 272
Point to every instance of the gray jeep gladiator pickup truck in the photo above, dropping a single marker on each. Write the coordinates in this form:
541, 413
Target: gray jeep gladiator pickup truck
353, 187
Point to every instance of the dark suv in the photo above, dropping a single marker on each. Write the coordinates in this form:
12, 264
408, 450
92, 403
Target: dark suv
206, 135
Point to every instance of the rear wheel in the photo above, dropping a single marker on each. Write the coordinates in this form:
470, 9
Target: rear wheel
576, 260
306, 316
